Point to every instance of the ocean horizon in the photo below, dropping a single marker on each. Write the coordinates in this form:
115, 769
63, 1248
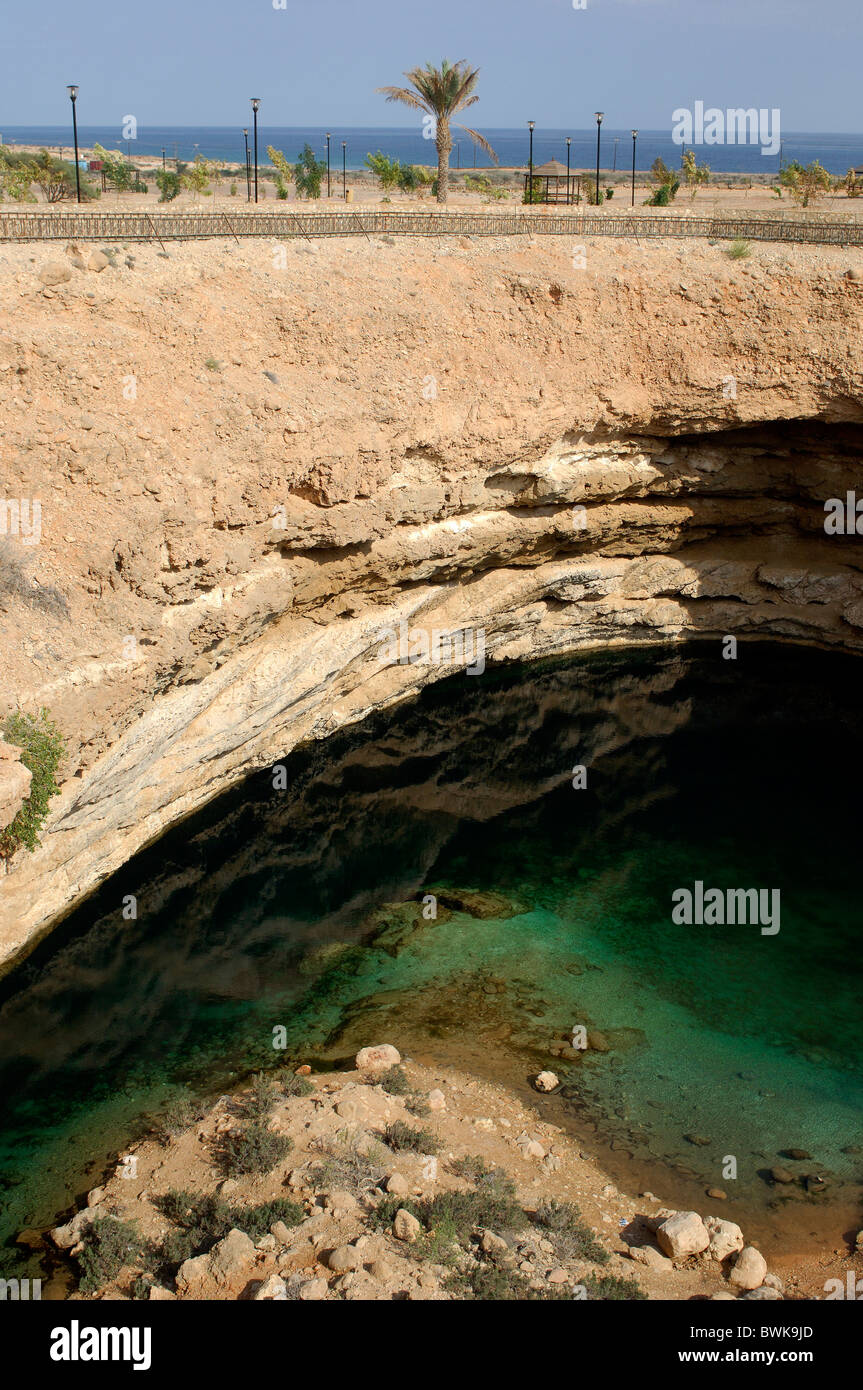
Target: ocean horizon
837, 152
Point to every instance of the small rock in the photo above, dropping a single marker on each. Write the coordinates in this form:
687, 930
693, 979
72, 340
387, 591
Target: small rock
781, 1175
340, 1201
749, 1269
380, 1270
230, 1256
763, 1292
649, 1256
773, 1281
717, 1194
546, 1081
378, 1058
797, 1153
436, 1100
98, 261
313, 1290
343, 1259
596, 1041
304, 1070
405, 1226
398, 1184
281, 1232
490, 1244
557, 1276
94, 1197
272, 1288
697, 1139
55, 273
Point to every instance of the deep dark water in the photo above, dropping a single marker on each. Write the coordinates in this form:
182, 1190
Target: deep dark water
264, 910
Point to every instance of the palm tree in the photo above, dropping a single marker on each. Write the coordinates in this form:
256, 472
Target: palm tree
442, 92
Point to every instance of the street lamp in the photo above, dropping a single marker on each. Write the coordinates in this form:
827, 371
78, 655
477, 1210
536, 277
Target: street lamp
634, 138
568, 144
256, 101
328, 164
345, 170
530, 126
248, 175
616, 143
73, 97
599, 115
458, 154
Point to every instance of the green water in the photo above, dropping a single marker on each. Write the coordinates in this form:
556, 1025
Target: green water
284, 909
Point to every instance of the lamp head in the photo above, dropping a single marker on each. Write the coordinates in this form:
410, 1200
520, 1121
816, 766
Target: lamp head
568, 140
256, 102
599, 115
634, 133
73, 93
531, 124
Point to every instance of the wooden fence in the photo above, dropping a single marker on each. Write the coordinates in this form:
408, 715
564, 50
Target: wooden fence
162, 226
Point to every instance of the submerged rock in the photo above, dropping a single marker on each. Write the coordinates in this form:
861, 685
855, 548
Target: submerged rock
480, 905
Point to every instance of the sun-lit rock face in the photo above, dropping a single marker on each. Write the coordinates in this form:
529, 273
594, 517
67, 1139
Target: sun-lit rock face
273, 501
15, 781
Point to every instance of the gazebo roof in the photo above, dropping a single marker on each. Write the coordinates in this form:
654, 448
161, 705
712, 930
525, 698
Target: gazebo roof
552, 168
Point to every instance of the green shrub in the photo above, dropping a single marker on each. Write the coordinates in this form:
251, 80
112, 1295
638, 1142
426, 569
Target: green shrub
169, 184
351, 1165
297, 1087
252, 1149
395, 1082
109, 1244
256, 1221
610, 1288
738, 249
572, 1238
494, 1284
472, 1168
492, 1203
41, 745
180, 1114
204, 1218
15, 582
308, 173
401, 1136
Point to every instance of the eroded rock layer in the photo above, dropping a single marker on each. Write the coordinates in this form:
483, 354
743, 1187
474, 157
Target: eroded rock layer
253, 482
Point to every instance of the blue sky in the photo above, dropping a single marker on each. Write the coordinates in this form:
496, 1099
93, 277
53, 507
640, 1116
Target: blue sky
317, 62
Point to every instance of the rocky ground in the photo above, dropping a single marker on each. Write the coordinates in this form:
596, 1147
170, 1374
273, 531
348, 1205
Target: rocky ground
393, 1181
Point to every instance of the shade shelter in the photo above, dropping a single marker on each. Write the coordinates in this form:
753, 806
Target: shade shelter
557, 186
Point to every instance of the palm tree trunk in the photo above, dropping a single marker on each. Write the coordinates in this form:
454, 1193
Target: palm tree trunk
444, 146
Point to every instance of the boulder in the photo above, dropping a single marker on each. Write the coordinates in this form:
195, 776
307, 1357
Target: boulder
398, 1184
436, 1100
378, 1058
405, 1226
490, 1244
749, 1269
683, 1234
98, 261
725, 1237
764, 1291
64, 1237
232, 1257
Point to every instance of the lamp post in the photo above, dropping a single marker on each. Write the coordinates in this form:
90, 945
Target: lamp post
616, 143
530, 126
328, 164
73, 97
248, 176
568, 146
345, 170
458, 154
634, 138
256, 101
163, 162
599, 115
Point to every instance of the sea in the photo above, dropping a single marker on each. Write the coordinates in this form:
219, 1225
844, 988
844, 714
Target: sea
837, 152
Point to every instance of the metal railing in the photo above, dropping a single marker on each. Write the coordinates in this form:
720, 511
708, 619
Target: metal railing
56, 225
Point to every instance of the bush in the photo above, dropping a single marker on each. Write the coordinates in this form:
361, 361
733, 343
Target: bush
253, 1149
610, 1288
574, 1239
41, 745
401, 1136
16, 583
738, 249
297, 1087
349, 1168
180, 1114
395, 1082
109, 1244
203, 1219
493, 1203
168, 184
308, 173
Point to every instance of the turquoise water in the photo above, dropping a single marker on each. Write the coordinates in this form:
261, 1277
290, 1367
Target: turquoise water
299, 909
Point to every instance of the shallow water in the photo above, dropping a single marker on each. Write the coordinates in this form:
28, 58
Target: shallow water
277, 909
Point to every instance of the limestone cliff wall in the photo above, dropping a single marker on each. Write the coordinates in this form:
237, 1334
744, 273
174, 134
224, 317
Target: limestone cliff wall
253, 463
